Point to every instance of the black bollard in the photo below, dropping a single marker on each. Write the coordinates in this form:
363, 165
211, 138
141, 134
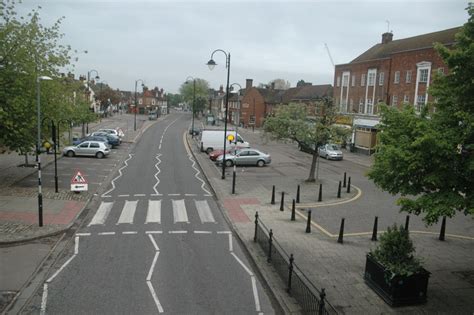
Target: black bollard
341, 232
322, 308
290, 273
298, 194
282, 200
339, 190
233, 181
293, 210
270, 241
320, 196
407, 222
308, 223
344, 184
374, 232
273, 195
443, 229
349, 185
256, 227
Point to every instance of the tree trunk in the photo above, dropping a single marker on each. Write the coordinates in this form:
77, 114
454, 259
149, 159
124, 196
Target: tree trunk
26, 159
313, 168
83, 130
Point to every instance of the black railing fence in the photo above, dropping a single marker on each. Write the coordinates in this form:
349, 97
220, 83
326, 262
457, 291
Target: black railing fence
310, 299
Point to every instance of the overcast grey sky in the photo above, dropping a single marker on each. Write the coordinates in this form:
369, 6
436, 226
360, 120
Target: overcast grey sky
164, 42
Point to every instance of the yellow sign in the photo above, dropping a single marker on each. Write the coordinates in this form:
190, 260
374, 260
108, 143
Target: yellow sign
230, 138
47, 145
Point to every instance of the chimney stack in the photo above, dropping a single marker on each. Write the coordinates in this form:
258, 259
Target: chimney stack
248, 84
387, 37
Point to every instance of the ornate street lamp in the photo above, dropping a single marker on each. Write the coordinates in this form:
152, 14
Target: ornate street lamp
211, 64
239, 109
136, 106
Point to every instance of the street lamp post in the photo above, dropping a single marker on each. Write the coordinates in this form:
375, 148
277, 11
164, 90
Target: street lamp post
194, 102
38, 146
211, 63
135, 121
239, 112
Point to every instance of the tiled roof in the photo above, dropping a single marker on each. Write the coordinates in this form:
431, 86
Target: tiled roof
311, 92
381, 51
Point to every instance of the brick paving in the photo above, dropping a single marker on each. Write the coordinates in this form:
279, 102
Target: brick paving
338, 267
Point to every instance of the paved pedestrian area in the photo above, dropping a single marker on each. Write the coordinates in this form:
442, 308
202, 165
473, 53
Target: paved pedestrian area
337, 267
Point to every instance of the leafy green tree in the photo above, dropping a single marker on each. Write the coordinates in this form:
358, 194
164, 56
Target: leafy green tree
28, 50
428, 159
174, 99
290, 122
187, 92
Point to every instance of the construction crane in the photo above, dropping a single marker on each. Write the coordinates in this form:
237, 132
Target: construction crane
329, 54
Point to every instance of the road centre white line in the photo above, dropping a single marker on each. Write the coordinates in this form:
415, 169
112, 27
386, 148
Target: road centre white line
83, 234
202, 232
153, 242
150, 272
178, 232
223, 232
155, 298
106, 233
153, 232
123, 196
130, 232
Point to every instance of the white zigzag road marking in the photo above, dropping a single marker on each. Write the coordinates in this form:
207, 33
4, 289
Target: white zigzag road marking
158, 172
120, 175
197, 175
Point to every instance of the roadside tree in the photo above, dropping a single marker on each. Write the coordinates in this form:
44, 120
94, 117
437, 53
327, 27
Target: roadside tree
202, 90
428, 157
291, 123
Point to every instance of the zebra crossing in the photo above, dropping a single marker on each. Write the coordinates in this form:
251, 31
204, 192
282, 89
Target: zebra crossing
132, 212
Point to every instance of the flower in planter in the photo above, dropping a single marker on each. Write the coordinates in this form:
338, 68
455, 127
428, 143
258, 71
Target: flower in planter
396, 252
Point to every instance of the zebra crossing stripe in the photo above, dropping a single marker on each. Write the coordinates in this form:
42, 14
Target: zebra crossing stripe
153, 214
128, 212
205, 213
179, 211
102, 213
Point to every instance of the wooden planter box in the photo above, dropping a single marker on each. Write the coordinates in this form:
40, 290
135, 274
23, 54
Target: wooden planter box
400, 290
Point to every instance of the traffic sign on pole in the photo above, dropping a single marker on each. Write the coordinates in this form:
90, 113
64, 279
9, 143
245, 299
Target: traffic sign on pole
79, 182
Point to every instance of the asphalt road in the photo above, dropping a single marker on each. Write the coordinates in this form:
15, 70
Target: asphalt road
156, 243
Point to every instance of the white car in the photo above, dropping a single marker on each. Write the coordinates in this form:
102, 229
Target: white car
88, 148
117, 132
330, 152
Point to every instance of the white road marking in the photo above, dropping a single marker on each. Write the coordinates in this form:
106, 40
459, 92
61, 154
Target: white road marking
102, 213
202, 232
153, 241
231, 248
83, 234
223, 232
174, 194
203, 183
178, 232
254, 282
120, 175
205, 213
154, 232
44, 299
242, 264
106, 233
61, 269
153, 214
76, 246
158, 171
123, 196
155, 298
190, 195
128, 212
179, 211
150, 272
139, 195
130, 232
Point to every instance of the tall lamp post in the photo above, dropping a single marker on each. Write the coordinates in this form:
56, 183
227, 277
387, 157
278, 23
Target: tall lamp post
211, 63
135, 121
194, 102
38, 146
239, 112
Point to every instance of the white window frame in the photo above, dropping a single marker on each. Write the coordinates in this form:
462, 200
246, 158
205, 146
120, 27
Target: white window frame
353, 80
424, 74
421, 67
140, 102
441, 71
362, 79
371, 78
408, 77
394, 100
420, 102
406, 99
338, 81
396, 79
370, 106
361, 106
381, 78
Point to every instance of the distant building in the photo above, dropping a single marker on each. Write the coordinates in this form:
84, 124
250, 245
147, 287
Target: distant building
394, 72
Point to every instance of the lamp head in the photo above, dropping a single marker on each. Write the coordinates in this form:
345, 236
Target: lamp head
211, 64
43, 77
97, 77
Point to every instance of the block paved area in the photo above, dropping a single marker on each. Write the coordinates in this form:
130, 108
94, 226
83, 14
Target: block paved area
338, 267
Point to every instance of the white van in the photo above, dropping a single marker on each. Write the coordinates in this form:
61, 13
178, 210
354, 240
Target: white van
213, 139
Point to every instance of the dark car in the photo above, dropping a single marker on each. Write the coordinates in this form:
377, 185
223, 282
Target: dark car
92, 138
113, 140
195, 131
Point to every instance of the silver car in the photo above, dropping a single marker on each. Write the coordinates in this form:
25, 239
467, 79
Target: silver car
245, 157
88, 148
330, 152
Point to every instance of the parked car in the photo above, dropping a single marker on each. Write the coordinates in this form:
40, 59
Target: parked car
246, 157
87, 148
118, 132
152, 115
330, 152
113, 139
92, 138
196, 131
216, 153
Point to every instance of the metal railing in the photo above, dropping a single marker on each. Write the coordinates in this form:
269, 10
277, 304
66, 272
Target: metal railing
311, 300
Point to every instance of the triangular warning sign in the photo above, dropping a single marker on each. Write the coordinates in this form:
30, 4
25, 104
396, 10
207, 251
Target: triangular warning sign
78, 178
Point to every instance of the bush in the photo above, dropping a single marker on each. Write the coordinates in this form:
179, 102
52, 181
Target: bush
395, 252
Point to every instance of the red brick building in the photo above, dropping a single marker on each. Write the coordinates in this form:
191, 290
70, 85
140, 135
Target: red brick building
393, 72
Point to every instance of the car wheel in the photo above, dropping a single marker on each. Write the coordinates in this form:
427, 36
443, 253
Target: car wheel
209, 150
326, 157
99, 155
228, 163
70, 153
260, 163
